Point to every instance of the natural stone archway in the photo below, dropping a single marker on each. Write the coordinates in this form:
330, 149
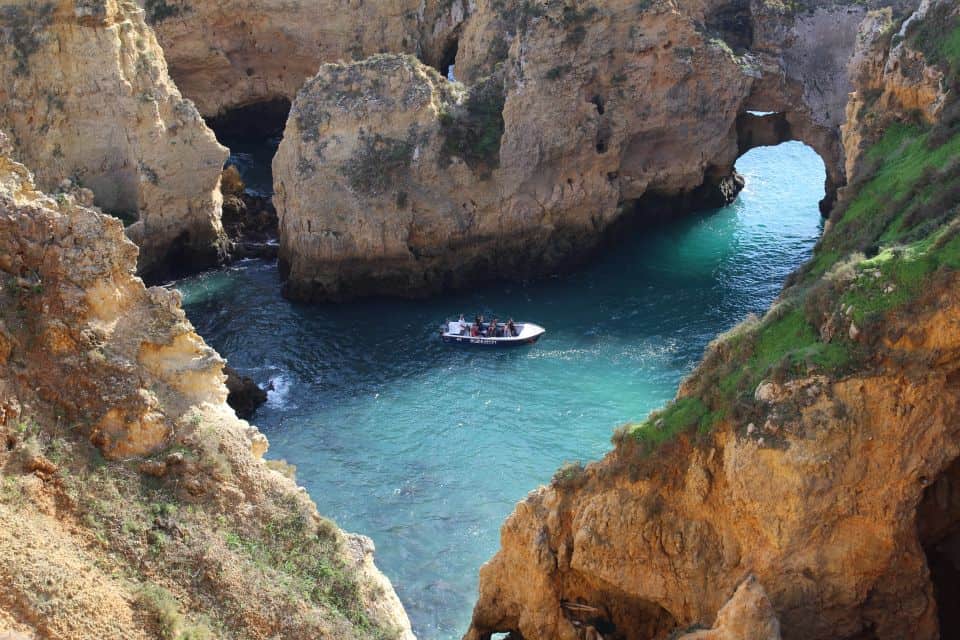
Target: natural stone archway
252, 133
607, 114
757, 129
256, 120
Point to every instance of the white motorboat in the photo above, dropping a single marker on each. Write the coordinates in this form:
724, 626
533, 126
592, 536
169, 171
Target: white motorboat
461, 332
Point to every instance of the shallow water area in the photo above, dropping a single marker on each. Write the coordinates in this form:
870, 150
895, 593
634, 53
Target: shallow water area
426, 447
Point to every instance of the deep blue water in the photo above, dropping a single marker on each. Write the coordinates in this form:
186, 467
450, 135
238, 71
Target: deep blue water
425, 447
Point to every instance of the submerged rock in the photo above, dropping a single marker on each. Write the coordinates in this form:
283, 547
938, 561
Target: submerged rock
243, 394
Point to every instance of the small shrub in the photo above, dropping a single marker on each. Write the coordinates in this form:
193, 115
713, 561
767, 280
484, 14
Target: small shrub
158, 11
163, 609
576, 37
25, 27
573, 16
472, 130
569, 474
376, 163
499, 49
558, 72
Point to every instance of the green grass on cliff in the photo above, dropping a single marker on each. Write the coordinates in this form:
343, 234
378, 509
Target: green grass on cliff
473, 129
938, 38
898, 230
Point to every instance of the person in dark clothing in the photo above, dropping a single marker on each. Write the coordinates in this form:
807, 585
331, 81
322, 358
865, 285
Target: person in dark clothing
511, 328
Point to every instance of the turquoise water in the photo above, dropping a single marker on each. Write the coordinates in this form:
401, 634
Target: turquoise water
425, 448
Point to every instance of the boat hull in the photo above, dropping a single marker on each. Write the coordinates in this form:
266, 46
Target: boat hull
490, 343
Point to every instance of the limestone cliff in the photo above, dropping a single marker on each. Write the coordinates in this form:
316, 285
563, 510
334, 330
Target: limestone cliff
490, 185
817, 448
86, 98
133, 502
234, 53
577, 118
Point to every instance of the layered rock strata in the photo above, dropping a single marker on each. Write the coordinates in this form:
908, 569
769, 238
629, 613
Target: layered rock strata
87, 101
133, 502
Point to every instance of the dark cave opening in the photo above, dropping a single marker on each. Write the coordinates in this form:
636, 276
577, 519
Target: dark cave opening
257, 120
733, 22
448, 60
599, 103
938, 527
615, 616
252, 133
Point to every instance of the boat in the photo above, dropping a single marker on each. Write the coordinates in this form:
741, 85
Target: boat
458, 332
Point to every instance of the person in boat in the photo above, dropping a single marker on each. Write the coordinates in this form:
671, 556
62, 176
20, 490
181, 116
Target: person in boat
475, 329
511, 329
492, 329
463, 326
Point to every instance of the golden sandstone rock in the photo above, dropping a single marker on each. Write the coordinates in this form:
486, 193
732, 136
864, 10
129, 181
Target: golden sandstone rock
86, 98
574, 120
838, 494
96, 365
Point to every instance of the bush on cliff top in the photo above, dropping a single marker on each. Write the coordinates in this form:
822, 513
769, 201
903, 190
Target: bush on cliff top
937, 36
472, 129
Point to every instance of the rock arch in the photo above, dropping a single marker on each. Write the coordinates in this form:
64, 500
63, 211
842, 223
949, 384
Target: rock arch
762, 129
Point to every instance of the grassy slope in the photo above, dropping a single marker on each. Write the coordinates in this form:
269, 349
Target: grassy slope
896, 233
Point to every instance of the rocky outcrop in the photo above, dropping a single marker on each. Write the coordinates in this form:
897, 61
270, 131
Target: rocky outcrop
133, 502
892, 81
748, 615
833, 539
243, 394
87, 101
577, 119
816, 449
489, 185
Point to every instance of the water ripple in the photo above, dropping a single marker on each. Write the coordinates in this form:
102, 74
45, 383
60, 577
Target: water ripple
426, 448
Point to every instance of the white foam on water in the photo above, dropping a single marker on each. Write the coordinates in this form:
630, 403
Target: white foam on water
278, 391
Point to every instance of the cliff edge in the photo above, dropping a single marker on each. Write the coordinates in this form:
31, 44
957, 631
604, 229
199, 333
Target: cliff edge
133, 502
87, 101
815, 450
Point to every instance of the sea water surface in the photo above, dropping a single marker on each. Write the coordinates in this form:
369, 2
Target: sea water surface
426, 447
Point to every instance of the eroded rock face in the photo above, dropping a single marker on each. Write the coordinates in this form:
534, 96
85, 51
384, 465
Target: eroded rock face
516, 175
229, 54
835, 488
70, 286
748, 615
117, 437
575, 118
892, 81
87, 98
826, 519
